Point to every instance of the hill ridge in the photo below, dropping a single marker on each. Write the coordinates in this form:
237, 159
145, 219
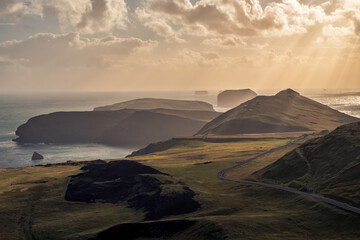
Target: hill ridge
284, 112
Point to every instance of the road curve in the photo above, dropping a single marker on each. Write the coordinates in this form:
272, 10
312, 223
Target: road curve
341, 205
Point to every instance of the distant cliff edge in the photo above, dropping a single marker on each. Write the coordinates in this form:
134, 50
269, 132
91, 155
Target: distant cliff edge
154, 103
233, 98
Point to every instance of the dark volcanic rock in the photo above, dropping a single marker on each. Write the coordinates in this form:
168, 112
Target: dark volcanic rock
233, 98
142, 187
37, 156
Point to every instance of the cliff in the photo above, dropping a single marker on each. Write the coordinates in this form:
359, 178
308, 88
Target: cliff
233, 98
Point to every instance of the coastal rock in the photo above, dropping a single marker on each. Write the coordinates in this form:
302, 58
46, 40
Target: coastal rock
233, 98
140, 186
37, 156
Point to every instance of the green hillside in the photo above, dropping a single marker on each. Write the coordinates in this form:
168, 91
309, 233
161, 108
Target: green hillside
287, 111
329, 165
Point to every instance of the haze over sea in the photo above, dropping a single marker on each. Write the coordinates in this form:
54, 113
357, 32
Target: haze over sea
16, 109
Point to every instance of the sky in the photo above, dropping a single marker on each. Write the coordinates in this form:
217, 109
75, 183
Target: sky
128, 45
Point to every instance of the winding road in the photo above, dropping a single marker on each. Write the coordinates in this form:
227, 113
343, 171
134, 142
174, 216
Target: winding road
341, 205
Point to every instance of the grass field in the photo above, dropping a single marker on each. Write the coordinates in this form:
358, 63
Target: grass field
32, 204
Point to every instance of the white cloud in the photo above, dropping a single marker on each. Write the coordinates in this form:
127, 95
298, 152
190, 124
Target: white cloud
235, 17
85, 16
163, 29
226, 42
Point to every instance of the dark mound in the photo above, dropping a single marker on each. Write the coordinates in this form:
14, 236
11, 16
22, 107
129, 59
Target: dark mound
329, 165
142, 187
173, 229
287, 111
233, 98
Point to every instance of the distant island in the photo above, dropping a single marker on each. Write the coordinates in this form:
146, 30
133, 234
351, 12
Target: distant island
154, 103
233, 98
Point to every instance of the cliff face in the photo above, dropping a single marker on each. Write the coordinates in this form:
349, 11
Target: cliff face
124, 128
233, 98
154, 103
287, 111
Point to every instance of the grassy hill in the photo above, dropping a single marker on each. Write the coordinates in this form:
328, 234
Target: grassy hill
287, 111
153, 103
33, 205
329, 165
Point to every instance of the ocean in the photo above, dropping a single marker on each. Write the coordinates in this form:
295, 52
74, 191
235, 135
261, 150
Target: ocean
16, 109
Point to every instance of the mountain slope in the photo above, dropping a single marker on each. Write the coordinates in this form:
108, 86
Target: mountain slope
154, 103
144, 127
329, 165
287, 111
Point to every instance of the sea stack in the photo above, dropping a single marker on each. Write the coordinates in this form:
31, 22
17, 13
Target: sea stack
233, 98
37, 156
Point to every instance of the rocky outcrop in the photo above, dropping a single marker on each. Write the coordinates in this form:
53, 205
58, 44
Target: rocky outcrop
233, 98
154, 103
287, 111
140, 186
37, 156
123, 128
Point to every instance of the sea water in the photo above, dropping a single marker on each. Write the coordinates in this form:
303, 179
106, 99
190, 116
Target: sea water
16, 109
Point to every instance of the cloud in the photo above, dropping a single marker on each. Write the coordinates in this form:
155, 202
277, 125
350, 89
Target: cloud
85, 16
70, 50
16, 9
242, 18
7, 24
197, 58
103, 15
226, 42
161, 28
